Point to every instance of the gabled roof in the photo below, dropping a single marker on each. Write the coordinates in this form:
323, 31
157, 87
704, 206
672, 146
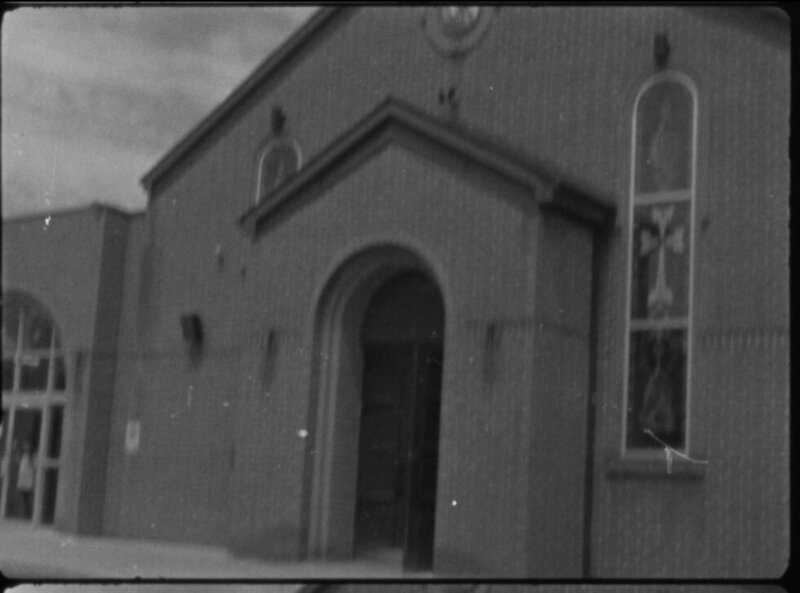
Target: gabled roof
314, 27
277, 60
395, 121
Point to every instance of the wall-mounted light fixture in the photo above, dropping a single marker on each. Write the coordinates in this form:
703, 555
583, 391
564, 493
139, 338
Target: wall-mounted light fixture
269, 355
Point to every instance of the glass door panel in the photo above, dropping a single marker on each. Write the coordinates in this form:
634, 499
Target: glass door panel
4, 461
26, 430
49, 474
49, 495
8, 373
54, 437
34, 372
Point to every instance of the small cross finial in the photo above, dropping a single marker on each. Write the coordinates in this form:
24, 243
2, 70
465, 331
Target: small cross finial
277, 119
661, 49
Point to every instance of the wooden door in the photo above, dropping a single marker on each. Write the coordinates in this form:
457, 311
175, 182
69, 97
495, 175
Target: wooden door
423, 458
398, 450
401, 338
382, 472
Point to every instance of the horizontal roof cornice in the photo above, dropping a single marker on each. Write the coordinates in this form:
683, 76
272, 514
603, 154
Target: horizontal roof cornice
69, 211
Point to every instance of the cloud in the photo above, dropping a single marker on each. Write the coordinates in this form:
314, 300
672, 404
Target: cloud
109, 90
52, 173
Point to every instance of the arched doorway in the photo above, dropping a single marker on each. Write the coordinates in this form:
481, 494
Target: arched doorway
375, 404
34, 396
401, 339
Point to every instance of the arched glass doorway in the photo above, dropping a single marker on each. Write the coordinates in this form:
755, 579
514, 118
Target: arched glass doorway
378, 358
34, 395
401, 340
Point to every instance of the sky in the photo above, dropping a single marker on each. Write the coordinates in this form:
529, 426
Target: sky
93, 97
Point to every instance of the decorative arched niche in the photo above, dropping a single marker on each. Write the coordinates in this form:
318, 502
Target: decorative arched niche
277, 162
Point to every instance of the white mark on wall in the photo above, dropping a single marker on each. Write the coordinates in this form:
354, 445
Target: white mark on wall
132, 436
52, 189
671, 453
454, 503
226, 403
302, 433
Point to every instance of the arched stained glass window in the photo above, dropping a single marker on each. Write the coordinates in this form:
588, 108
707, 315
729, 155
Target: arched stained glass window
278, 161
664, 138
660, 223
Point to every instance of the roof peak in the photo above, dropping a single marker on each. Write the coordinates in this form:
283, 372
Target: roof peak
395, 121
296, 42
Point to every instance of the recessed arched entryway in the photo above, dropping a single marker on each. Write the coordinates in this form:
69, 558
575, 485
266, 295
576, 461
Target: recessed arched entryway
375, 405
401, 341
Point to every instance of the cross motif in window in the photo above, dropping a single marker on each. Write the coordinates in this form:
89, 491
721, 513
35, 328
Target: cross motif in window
660, 296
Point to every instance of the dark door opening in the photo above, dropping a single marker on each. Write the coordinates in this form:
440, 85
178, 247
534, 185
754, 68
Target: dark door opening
399, 429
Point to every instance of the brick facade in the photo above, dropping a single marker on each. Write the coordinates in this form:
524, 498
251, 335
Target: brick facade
530, 482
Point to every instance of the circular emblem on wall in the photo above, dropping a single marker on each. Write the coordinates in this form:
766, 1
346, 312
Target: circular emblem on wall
456, 29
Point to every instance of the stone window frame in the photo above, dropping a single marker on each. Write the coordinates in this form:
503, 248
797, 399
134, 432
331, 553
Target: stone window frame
665, 197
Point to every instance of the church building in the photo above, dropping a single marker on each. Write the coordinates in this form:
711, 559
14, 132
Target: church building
480, 291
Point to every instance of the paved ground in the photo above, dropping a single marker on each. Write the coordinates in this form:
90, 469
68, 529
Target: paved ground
33, 554
164, 588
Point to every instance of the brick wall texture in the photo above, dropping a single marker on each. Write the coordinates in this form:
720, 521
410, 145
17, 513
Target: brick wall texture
222, 450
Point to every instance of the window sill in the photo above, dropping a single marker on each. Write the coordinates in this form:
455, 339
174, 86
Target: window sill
654, 469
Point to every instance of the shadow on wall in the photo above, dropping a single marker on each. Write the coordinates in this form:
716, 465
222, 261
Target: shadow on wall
415, 588
280, 542
518, 588
393, 588
454, 563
